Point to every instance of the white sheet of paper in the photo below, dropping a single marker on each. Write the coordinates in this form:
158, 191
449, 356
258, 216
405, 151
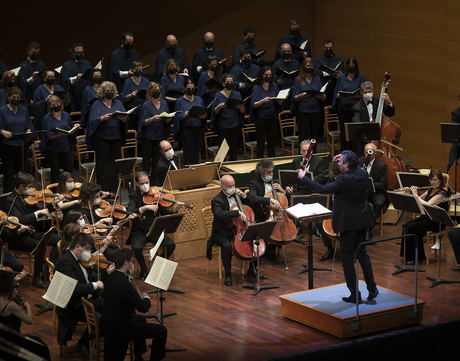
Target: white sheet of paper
161, 273
60, 289
154, 250
99, 65
58, 69
222, 152
323, 89
16, 71
283, 94
305, 210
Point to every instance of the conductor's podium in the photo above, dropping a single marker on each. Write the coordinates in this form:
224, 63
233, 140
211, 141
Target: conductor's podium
196, 186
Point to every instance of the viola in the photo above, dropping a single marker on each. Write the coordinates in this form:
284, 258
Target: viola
285, 229
244, 250
97, 258
154, 196
36, 196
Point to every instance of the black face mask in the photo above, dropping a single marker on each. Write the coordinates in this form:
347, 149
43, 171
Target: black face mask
15, 102
172, 71
250, 40
209, 44
109, 96
286, 56
137, 73
50, 81
228, 86
10, 84
329, 53
213, 68
56, 109
78, 56
309, 70
172, 49
96, 80
246, 62
268, 79
127, 46
351, 69
156, 94
294, 32
35, 56
190, 91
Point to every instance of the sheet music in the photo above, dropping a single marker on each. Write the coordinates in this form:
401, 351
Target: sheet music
222, 152
161, 273
60, 289
154, 250
304, 210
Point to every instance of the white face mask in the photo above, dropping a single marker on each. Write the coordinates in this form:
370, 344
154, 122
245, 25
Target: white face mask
69, 185
230, 191
85, 256
267, 178
81, 222
169, 154
28, 191
98, 201
368, 96
144, 188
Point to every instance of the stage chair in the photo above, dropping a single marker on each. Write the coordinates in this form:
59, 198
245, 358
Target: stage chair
51, 274
210, 149
332, 135
207, 223
38, 157
178, 153
130, 150
289, 139
86, 158
248, 144
433, 255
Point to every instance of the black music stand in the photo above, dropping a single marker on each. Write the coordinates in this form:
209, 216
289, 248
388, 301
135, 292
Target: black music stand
450, 133
439, 215
407, 179
253, 233
360, 133
405, 203
24, 137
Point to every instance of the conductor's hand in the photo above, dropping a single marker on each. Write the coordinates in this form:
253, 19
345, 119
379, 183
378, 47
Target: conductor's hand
100, 285
274, 203
243, 216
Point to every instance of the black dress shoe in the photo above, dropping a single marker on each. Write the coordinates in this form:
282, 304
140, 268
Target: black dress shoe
352, 299
37, 282
410, 263
327, 255
456, 268
228, 281
373, 295
143, 276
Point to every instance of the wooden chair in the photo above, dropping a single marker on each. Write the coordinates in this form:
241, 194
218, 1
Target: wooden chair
210, 149
129, 150
51, 274
86, 158
289, 139
433, 255
178, 153
38, 157
56, 215
248, 144
208, 217
332, 130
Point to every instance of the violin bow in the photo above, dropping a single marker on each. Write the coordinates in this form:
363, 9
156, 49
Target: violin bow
163, 186
115, 200
43, 187
91, 176
97, 249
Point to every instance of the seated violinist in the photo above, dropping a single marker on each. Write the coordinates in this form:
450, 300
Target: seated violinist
25, 238
141, 225
90, 199
88, 286
222, 229
64, 188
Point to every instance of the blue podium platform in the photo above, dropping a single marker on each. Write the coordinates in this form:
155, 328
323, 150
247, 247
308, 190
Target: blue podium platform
323, 309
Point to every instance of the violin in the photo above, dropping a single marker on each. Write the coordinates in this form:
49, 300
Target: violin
36, 196
154, 196
105, 210
75, 192
95, 259
11, 222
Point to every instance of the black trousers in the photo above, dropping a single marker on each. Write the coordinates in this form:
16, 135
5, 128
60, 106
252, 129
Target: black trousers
59, 160
12, 163
454, 237
116, 341
226, 251
27, 242
345, 116
418, 226
106, 152
150, 155
10, 261
378, 203
138, 241
310, 125
191, 144
265, 129
349, 240
233, 140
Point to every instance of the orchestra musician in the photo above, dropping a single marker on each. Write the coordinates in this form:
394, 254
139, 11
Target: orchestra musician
222, 228
351, 217
454, 238
25, 238
419, 226
164, 164
88, 286
66, 185
90, 198
121, 300
140, 227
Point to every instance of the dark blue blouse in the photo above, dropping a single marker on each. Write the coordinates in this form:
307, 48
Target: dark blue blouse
109, 129
201, 89
345, 84
310, 104
183, 105
16, 123
167, 84
267, 110
89, 94
59, 144
158, 130
227, 117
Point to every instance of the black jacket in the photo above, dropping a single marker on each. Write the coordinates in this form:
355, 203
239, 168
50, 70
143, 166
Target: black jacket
161, 169
360, 113
319, 166
257, 199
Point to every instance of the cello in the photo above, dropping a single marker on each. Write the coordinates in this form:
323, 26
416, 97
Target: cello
244, 250
390, 136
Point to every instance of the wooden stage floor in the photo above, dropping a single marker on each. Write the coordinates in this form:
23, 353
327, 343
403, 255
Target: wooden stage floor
216, 322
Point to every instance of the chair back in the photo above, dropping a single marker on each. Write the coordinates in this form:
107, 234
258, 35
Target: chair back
208, 137
247, 131
208, 218
130, 144
287, 123
37, 157
91, 321
50, 268
330, 119
83, 154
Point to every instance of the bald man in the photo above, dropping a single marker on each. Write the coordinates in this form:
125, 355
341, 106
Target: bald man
165, 162
377, 170
287, 63
170, 51
202, 54
222, 231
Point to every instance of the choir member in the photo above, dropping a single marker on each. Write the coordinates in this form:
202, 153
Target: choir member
120, 61
29, 74
14, 119
227, 119
295, 39
107, 133
89, 95
7, 81
190, 127
152, 128
57, 146
350, 81
264, 111
248, 44
246, 68
170, 51
3, 66
307, 101
133, 93
201, 55
72, 75
211, 70
171, 83
286, 64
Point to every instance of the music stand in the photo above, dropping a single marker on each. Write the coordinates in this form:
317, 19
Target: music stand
360, 133
24, 137
405, 203
450, 133
407, 179
439, 215
253, 233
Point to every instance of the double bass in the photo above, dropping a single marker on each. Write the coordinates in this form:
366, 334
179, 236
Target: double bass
244, 250
390, 137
